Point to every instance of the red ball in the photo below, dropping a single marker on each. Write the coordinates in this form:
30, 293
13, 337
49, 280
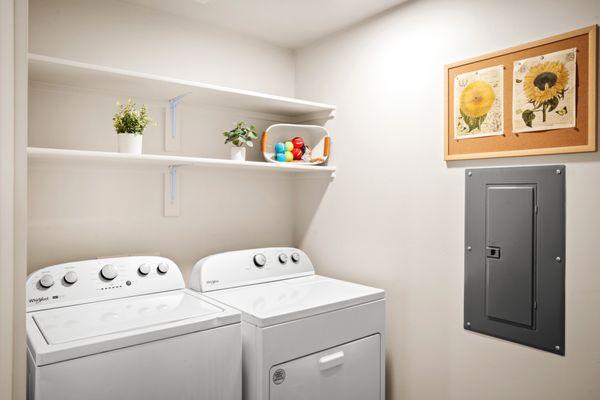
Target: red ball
298, 142
297, 153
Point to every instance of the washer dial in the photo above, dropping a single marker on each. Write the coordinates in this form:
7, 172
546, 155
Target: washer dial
295, 257
70, 277
163, 268
109, 272
260, 260
283, 258
144, 269
46, 281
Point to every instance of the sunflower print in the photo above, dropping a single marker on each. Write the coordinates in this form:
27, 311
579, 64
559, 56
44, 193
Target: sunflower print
545, 81
544, 95
477, 99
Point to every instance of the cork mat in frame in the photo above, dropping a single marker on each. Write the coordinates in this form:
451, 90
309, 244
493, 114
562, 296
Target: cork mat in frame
581, 138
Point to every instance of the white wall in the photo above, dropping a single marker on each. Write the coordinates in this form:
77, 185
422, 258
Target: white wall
79, 211
393, 218
122, 35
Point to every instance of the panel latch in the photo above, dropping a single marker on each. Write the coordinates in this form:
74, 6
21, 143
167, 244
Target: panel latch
492, 252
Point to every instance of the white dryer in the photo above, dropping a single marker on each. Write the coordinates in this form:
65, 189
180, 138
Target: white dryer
304, 336
126, 328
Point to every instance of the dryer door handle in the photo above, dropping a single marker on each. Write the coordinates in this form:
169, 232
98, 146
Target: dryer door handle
331, 360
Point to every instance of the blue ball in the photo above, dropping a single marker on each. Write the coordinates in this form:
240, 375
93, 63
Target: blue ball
280, 148
281, 157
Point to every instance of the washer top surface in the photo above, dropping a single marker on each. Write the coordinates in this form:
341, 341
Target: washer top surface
68, 324
89, 307
281, 301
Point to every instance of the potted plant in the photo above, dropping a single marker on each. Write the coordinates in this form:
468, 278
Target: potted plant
130, 122
240, 136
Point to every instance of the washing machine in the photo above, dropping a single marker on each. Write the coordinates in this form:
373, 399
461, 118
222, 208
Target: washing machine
127, 329
304, 336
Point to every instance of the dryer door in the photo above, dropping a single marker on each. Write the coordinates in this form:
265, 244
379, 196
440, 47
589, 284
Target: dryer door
348, 372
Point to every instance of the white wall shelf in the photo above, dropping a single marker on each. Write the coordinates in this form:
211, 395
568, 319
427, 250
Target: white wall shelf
63, 72
48, 154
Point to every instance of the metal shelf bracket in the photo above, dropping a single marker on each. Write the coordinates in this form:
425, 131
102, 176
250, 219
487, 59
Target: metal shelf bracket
172, 191
173, 110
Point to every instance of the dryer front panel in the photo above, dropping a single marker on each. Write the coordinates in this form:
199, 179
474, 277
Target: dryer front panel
348, 372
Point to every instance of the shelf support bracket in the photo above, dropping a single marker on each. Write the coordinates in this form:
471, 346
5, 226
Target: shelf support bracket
172, 191
171, 139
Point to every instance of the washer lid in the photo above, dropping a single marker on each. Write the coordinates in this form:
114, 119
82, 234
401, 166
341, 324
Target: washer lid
282, 301
84, 321
68, 332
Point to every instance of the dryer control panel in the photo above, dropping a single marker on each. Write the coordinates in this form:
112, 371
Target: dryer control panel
101, 279
249, 267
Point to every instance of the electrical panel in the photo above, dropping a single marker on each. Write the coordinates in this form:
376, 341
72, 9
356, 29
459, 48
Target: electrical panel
515, 254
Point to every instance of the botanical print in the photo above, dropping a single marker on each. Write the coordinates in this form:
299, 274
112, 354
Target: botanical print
478, 109
544, 92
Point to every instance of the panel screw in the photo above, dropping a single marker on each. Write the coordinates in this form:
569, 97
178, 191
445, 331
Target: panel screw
558, 172
469, 173
469, 248
557, 348
558, 259
468, 324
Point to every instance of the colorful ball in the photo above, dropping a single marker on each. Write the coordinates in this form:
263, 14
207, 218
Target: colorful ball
298, 142
289, 146
280, 148
288, 156
281, 157
297, 153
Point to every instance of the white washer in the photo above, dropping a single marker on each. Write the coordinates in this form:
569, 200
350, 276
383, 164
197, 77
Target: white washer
126, 328
304, 336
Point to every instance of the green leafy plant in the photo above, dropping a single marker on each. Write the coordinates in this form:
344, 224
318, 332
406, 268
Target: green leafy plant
241, 135
131, 119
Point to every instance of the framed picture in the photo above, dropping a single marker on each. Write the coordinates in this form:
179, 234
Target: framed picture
536, 98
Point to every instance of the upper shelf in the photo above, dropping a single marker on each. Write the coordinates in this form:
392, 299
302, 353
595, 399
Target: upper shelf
138, 84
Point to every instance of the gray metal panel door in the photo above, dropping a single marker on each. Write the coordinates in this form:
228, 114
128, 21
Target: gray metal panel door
509, 253
515, 254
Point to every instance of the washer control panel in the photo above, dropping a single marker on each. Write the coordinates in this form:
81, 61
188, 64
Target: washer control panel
248, 267
102, 279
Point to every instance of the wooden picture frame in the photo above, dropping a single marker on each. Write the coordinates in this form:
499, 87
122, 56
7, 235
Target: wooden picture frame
581, 138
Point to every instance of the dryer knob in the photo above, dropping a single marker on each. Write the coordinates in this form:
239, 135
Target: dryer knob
163, 268
295, 257
46, 281
70, 277
109, 272
283, 258
144, 269
260, 260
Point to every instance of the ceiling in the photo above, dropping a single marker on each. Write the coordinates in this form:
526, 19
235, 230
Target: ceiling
287, 23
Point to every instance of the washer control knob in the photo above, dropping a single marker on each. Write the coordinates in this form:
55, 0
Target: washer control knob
46, 281
260, 260
283, 258
144, 269
109, 272
163, 268
295, 257
70, 277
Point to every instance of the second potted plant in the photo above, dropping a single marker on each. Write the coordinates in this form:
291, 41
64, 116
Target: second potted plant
130, 122
240, 136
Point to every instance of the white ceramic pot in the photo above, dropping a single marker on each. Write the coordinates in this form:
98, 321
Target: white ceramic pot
130, 143
238, 153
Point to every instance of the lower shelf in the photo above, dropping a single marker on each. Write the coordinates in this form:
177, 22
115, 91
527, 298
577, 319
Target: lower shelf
38, 153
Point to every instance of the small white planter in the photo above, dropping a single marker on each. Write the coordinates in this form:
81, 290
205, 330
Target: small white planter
130, 143
238, 153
